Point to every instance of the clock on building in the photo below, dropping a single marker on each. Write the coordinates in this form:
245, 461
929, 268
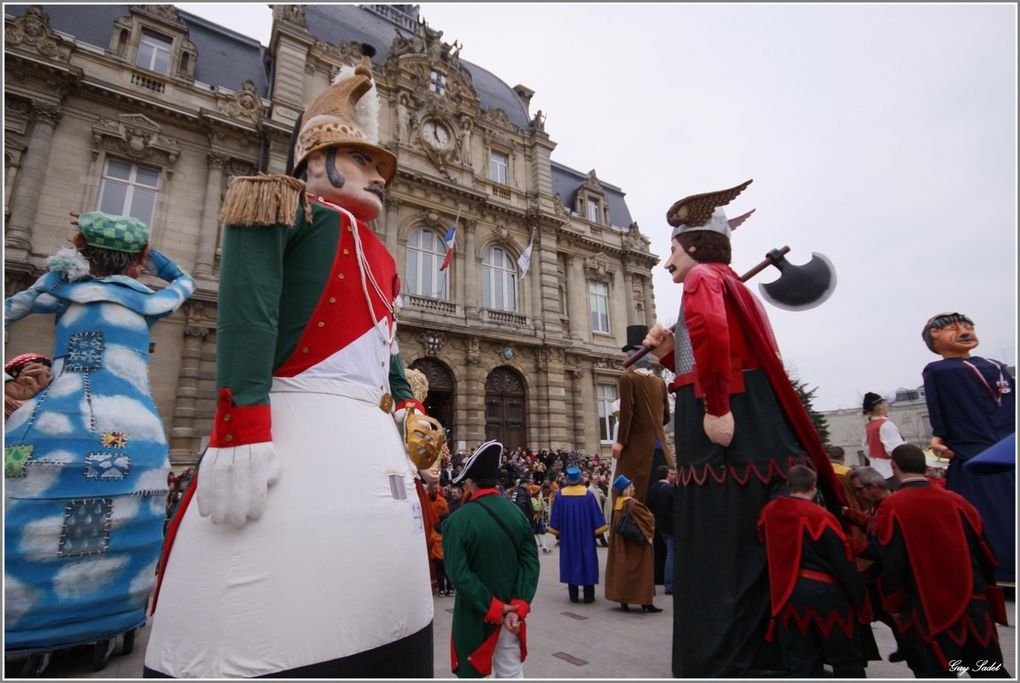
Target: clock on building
436, 134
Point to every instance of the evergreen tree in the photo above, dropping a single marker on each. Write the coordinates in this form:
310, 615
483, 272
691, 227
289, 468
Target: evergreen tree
807, 398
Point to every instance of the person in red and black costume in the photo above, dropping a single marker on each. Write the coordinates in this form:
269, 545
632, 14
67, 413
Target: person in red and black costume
739, 427
818, 599
938, 576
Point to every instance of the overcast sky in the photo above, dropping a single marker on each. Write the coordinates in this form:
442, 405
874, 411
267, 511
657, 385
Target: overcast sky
883, 136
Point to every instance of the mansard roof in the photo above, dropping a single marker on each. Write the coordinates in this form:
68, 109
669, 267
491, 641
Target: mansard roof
344, 23
225, 58
566, 182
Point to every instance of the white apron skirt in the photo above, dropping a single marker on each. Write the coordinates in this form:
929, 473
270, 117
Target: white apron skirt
335, 566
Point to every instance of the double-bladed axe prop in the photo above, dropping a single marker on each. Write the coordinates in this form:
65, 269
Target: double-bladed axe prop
797, 289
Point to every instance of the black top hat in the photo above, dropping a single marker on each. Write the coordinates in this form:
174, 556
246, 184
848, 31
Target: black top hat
635, 335
483, 463
871, 399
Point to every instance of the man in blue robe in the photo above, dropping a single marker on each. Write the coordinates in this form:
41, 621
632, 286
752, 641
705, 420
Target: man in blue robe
577, 520
972, 406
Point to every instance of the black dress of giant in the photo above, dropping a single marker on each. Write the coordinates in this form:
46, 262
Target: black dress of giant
721, 588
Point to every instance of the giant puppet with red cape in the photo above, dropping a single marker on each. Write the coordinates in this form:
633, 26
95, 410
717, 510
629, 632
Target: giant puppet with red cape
739, 427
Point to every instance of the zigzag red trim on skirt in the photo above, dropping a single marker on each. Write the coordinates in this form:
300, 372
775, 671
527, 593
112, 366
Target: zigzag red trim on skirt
960, 631
845, 621
699, 474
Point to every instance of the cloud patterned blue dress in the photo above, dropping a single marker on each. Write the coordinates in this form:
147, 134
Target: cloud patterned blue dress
86, 461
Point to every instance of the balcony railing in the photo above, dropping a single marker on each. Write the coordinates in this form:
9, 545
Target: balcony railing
429, 304
149, 83
504, 318
501, 192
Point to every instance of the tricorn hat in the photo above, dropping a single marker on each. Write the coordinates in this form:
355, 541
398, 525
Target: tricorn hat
483, 463
871, 399
346, 114
635, 335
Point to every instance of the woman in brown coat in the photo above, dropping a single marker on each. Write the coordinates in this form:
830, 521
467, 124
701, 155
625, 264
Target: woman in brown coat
630, 566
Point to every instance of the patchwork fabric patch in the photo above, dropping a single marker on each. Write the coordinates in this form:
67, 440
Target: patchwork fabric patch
114, 439
99, 465
85, 352
16, 457
86, 529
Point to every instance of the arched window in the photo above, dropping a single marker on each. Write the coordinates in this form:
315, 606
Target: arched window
499, 280
425, 253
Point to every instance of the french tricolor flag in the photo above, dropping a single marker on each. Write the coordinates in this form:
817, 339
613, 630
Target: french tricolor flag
450, 237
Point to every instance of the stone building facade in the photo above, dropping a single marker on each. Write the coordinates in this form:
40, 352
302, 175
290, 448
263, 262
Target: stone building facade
145, 109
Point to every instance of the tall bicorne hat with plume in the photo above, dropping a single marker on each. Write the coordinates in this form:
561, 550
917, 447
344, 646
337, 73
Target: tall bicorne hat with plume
346, 114
702, 212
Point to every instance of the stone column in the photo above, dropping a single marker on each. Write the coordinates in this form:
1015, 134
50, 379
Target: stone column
474, 394
618, 305
577, 293
535, 273
471, 281
210, 228
184, 440
577, 393
634, 316
25, 201
646, 283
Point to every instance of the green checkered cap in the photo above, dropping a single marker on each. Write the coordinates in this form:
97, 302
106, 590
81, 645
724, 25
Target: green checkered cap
116, 233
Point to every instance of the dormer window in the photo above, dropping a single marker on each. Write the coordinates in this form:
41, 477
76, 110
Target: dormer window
437, 82
593, 210
154, 52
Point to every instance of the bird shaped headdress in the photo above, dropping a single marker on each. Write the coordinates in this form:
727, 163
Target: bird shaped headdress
702, 212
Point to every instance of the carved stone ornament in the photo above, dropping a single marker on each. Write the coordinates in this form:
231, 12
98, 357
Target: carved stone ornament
504, 381
200, 316
245, 104
507, 353
294, 14
542, 360
634, 240
433, 342
604, 364
31, 31
591, 182
474, 351
138, 137
502, 233
558, 207
348, 53
499, 118
597, 266
165, 12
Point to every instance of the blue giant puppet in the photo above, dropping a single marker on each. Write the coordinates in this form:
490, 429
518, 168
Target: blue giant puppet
85, 460
972, 406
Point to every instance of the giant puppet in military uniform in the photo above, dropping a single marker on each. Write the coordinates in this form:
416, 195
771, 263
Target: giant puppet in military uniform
304, 556
739, 428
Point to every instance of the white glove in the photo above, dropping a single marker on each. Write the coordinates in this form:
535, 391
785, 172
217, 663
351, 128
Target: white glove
399, 418
233, 483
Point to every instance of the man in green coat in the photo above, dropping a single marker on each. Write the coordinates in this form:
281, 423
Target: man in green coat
492, 561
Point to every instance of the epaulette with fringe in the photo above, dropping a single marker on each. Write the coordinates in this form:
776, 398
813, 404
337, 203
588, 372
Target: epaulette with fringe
263, 200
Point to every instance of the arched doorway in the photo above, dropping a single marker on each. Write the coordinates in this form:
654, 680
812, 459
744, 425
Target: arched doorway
439, 402
505, 408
